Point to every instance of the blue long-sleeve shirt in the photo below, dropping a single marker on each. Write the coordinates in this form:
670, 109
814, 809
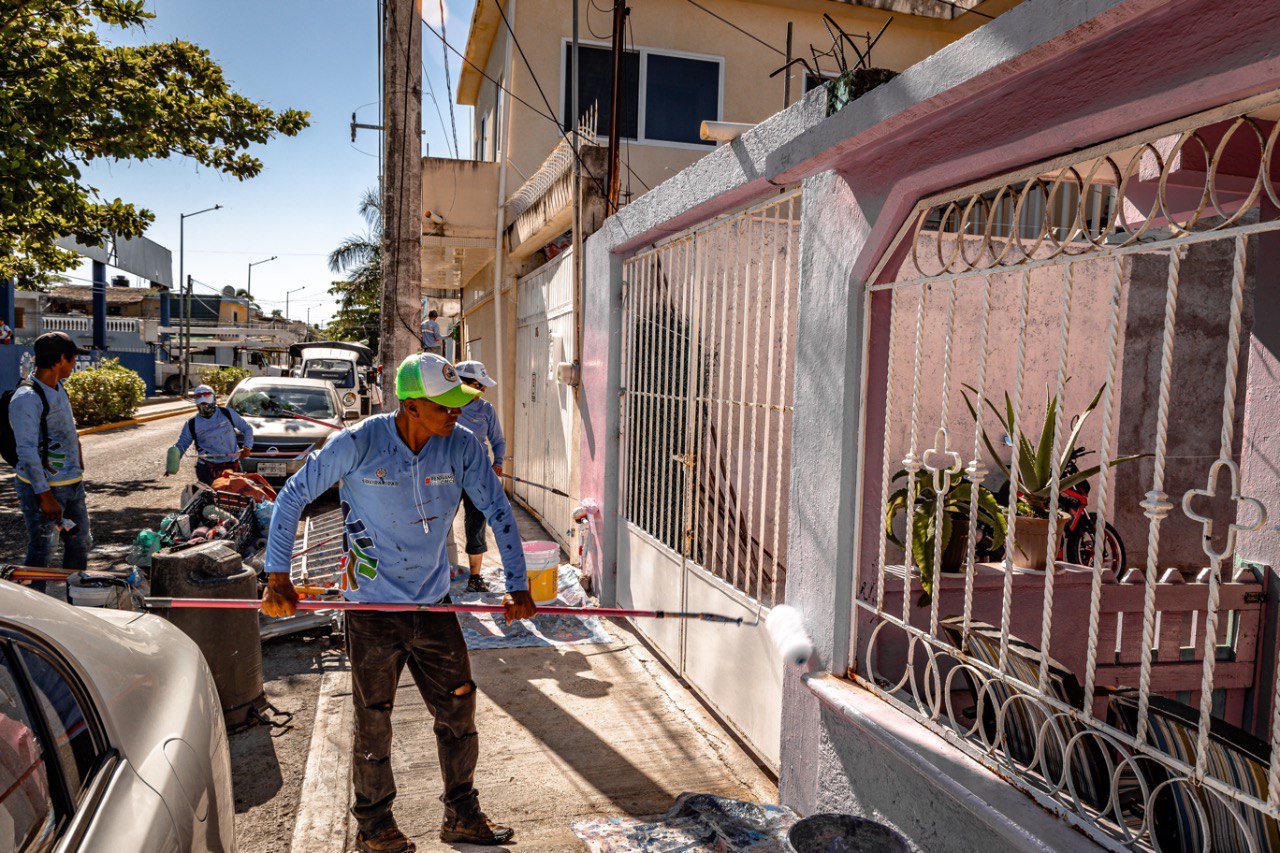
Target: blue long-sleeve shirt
481, 418
217, 436
431, 336
65, 464
398, 509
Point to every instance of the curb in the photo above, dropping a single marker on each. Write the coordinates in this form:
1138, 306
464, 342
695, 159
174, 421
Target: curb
134, 421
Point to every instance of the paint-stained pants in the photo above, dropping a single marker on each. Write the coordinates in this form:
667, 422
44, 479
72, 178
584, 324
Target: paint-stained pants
473, 521
379, 646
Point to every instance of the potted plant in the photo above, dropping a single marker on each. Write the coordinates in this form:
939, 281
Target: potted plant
1035, 475
955, 524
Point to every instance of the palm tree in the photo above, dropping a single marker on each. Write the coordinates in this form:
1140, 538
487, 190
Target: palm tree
241, 293
359, 257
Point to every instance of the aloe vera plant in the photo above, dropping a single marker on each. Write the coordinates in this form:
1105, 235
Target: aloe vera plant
955, 521
1035, 461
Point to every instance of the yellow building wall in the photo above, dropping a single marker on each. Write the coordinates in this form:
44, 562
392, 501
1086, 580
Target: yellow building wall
748, 94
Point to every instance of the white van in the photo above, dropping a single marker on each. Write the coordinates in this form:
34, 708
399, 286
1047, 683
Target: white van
344, 364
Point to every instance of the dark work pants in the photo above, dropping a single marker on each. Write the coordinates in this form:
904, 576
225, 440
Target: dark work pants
474, 522
207, 472
379, 645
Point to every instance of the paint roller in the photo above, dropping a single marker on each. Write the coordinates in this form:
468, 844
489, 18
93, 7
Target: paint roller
786, 629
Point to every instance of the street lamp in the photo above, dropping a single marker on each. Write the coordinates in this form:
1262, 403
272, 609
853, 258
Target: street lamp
185, 287
249, 284
286, 299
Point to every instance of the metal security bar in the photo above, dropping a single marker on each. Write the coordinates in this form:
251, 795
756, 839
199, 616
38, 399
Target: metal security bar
1059, 490
710, 345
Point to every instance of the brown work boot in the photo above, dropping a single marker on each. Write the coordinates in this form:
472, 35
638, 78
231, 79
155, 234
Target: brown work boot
386, 840
474, 829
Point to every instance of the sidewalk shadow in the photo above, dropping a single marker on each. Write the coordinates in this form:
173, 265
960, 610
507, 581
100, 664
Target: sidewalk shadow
504, 676
255, 769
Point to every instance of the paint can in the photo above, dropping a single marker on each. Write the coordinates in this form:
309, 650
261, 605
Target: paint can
542, 564
842, 833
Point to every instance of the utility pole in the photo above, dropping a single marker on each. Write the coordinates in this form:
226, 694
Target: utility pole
402, 188
184, 281
615, 103
286, 299
248, 285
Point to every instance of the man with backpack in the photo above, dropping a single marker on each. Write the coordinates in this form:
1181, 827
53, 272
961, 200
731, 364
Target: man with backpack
40, 440
213, 432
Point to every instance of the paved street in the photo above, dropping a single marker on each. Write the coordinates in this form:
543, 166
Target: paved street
126, 489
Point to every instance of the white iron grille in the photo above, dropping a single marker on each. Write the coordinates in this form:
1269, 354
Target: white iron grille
1127, 687
709, 342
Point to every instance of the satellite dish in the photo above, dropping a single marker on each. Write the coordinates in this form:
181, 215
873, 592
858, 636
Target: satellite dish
229, 291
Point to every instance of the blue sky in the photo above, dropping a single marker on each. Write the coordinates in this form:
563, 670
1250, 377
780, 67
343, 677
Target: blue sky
319, 56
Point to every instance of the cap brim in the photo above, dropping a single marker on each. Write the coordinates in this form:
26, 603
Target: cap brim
486, 381
456, 398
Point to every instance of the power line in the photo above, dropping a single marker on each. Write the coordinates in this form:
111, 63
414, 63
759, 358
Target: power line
963, 9
751, 36
431, 90
448, 84
548, 116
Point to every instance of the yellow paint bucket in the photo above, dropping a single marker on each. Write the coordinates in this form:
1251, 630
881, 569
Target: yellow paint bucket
542, 564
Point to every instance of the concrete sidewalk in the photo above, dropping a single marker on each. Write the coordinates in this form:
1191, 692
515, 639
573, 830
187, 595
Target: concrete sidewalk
566, 734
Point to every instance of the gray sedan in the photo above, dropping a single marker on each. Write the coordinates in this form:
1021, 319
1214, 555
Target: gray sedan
111, 732
281, 440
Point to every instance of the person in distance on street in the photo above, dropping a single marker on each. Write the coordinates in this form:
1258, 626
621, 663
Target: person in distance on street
222, 438
401, 479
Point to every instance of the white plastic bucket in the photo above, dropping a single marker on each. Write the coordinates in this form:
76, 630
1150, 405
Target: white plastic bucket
98, 595
542, 564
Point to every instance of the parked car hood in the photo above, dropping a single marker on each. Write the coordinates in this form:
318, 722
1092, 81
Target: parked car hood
289, 429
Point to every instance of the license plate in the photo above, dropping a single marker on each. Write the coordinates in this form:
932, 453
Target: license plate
272, 469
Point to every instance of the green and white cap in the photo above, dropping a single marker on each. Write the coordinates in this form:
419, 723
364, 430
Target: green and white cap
433, 377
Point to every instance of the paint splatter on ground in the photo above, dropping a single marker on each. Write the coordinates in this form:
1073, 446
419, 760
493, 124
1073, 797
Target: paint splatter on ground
491, 631
701, 822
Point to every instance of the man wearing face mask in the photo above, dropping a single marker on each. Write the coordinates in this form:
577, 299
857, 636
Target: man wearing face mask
213, 432
401, 478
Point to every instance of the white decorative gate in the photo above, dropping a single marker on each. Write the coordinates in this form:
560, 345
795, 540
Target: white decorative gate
709, 331
1101, 301
544, 417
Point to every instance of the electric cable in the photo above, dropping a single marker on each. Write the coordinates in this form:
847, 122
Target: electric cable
448, 84
431, 90
751, 36
549, 117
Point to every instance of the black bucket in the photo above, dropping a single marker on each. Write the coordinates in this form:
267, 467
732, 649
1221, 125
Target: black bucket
842, 833
229, 638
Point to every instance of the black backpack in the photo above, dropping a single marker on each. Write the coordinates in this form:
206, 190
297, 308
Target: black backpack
192, 426
8, 441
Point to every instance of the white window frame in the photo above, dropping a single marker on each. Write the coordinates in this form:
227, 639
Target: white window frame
642, 96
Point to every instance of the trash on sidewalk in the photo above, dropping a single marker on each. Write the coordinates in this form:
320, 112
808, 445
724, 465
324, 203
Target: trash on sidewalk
694, 822
491, 631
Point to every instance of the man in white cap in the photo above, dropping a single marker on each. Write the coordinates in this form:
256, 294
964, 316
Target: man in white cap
218, 447
481, 419
400, 479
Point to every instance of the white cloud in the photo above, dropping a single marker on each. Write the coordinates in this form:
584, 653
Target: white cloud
431, 12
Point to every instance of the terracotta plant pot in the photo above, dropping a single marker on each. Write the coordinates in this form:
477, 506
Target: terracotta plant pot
1032, 536
957, 549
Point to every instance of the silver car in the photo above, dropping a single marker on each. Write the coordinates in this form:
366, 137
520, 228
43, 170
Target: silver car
282, 440
111, 732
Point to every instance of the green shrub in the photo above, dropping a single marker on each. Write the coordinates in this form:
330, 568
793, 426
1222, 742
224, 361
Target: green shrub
222, 379
104, 393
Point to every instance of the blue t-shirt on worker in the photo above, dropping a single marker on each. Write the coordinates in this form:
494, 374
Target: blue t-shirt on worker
398, 510
216, 436
481, 418
431, 336
64, 464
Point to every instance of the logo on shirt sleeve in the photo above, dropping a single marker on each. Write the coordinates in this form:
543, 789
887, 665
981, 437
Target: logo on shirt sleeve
359, 561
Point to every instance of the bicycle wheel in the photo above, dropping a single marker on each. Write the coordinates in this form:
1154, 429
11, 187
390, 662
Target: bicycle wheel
1080, 544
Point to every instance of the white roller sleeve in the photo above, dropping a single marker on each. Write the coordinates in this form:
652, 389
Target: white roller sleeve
786, 629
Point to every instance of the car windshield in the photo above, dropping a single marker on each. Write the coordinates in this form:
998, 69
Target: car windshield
335, 370
275, 401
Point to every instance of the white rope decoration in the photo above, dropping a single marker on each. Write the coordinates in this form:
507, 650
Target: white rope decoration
977, 469
1156, 506
1010, 542
912, 460
1055, 472
1104, 460
942, 476
1224, 455
888, 414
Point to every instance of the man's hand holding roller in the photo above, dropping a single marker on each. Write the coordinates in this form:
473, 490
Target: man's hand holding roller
280, 598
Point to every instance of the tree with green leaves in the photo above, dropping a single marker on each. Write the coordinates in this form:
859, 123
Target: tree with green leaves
69, 98
360, 258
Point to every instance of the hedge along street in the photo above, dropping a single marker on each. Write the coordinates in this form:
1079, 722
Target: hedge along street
185, 410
